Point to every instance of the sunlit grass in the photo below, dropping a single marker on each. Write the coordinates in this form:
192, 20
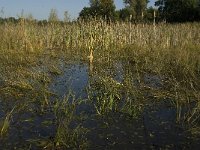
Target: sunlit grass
32, 56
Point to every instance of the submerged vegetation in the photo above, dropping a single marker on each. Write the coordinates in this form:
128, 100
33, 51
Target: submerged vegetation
139, 73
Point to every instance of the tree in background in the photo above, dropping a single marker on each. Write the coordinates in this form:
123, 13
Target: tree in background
94, 3
99, 8
150, 14
137, 8
125, 14
179, 10
53, 16
107, 9
85, 13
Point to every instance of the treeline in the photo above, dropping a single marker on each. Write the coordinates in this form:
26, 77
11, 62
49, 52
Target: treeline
137, 10
134, 11
178, 10
34, 21
18, 20
53, 18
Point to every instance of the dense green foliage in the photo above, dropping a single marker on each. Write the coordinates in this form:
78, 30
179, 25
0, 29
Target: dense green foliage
137, 10
134, 10
99, 8
179, 10
136, 7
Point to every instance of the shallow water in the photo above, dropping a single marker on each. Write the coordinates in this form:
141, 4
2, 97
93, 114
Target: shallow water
74, 77
154, 128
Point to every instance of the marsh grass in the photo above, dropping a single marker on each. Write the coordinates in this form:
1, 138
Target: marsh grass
68, 136
31, 55
6, 123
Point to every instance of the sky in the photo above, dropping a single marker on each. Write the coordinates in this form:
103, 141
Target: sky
40, 8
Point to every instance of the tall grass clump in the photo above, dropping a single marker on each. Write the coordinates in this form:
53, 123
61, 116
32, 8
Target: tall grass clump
68, 136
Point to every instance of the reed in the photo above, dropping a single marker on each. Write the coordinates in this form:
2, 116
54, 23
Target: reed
32, 55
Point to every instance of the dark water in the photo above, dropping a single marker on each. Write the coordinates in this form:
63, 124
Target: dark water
154, 128
74, 78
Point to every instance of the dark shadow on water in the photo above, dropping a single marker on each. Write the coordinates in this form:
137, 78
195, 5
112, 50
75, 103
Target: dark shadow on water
162, 130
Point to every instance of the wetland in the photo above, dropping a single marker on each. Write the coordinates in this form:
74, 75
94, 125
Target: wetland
141, 90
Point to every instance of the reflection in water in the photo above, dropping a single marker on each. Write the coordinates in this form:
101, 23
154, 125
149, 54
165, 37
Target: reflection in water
154, 128
74, 78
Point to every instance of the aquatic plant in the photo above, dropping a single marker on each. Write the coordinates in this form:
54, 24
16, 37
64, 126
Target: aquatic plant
67, 135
